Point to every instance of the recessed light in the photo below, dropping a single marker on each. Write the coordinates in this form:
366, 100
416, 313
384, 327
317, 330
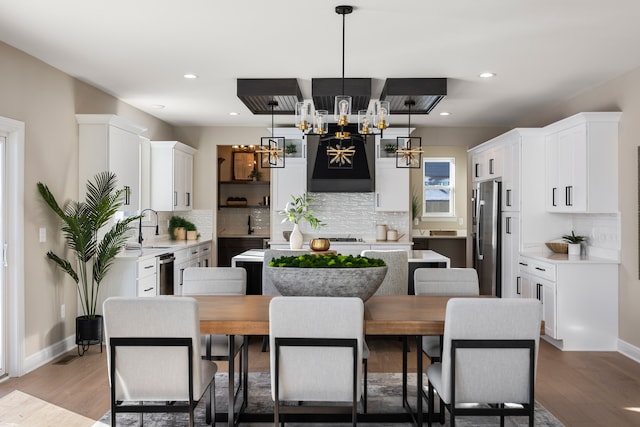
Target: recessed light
445, 113
487, 75
233, 113
157, 106
190, 76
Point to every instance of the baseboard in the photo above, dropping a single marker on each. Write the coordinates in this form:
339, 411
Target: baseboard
631, 351
48, 354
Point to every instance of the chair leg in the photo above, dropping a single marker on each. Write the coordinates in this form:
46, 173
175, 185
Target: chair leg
441, 410
364, 392
430, 403
502, 415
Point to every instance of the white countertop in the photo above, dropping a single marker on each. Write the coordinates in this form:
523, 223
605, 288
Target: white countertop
159, 247
257, 255
566, 259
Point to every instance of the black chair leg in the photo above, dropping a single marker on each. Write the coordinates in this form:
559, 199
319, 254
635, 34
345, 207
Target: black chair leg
364, 404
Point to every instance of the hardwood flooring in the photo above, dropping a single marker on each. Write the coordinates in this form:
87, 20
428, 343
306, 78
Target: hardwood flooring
579, 388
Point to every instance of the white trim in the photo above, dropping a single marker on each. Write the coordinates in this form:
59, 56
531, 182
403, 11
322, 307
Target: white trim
631, 351
48, 354
15, 238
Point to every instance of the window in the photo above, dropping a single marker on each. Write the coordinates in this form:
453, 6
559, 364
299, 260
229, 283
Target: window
439, 186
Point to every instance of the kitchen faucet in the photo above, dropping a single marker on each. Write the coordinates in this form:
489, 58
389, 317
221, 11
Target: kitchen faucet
250, 230
140, 239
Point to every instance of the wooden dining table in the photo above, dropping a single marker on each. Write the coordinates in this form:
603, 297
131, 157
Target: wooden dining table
392, 315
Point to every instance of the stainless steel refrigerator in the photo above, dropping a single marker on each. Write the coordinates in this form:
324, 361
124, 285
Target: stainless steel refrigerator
487, 236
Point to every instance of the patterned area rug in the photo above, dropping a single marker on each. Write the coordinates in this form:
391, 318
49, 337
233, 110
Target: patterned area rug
385, 391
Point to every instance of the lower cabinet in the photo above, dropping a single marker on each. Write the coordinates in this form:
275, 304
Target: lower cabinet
579, 301
228, 247
147, 277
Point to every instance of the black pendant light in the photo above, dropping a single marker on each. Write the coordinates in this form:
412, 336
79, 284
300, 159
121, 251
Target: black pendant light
409, 148
272, 152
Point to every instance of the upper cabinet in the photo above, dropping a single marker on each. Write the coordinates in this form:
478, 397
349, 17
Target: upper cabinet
110, 143
392, 183
486, 163
171, 176
292, 179
581, 154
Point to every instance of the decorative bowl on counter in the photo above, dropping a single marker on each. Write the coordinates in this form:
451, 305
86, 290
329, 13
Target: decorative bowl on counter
558, 247
320, 244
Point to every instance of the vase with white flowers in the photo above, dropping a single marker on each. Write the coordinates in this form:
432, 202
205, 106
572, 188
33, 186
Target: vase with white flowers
298, 210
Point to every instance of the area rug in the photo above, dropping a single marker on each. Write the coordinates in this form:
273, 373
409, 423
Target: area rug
385, 391
22, 409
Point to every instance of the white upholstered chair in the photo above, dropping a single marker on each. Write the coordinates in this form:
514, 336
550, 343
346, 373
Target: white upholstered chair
219, 281
316, 352
448, 282
489, 357
396, 281
154, 356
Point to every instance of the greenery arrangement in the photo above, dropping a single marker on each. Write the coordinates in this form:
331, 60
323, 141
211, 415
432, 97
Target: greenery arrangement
326, 261
255, 174
179, 222
415, 206
390, 148
298, 209
573, 238
81, 222
290, 149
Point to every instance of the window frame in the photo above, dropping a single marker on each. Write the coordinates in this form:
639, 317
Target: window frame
451, 187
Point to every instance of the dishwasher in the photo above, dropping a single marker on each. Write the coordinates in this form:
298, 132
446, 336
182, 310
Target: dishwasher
165, 274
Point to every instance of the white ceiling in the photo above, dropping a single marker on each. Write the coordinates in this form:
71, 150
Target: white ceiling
542, 51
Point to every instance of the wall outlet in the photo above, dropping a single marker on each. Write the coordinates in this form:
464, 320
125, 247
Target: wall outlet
460, 221
62, 311
43, 234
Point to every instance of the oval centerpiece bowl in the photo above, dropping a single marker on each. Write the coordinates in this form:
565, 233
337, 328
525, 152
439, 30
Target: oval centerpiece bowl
361, 282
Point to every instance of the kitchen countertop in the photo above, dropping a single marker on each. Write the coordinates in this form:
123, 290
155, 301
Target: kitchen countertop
159, 247
232, 235
566, 259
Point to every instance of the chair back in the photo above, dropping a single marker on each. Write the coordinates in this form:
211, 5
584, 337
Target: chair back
488, 375
315, 373
214, 281
153, 373
267, 284
446, 281
396, 282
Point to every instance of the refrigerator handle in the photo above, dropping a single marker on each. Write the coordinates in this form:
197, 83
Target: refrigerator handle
479, 232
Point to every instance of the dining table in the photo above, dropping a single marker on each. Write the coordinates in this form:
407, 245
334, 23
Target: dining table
407, 316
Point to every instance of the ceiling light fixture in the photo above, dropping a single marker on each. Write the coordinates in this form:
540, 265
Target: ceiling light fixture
487, 75
233, 113
445, 113
271, 149
190, 76
409, 148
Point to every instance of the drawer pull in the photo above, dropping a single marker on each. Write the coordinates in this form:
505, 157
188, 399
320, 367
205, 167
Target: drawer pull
540, 269
524, 264
149, 266
148, 289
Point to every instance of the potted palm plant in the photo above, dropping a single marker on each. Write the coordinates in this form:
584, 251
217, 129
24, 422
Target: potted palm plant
94, 248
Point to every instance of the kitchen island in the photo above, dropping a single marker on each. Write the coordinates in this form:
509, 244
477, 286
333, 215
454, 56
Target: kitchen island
251, 261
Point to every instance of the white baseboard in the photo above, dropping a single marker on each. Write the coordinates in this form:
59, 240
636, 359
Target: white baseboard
631, 351
48, 354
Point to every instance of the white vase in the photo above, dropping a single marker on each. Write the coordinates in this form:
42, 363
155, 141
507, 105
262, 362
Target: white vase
295, 240
574, 249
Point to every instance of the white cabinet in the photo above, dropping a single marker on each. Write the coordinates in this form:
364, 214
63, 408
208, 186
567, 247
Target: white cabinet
110, 143
179, 264
292, 179
579, 301
392, 187
510, 196
147, 277
171, 176
581, 164
510, 254
486, 162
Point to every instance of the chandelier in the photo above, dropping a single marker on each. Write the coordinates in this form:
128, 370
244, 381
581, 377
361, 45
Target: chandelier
339, 149
271, 151
409, 148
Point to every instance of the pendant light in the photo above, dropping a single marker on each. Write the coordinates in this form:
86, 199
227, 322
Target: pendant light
409, 148
272, 153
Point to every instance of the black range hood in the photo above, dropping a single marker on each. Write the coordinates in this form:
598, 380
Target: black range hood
359, 179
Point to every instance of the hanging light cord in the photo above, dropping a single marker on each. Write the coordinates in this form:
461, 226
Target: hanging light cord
343, 56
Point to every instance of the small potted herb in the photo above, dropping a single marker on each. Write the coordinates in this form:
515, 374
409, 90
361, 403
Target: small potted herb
390, 148
255, 175
290, 149
574, 241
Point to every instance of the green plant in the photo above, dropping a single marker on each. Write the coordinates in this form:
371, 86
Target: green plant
179, 222
415, 206
572, 238
326, 261
81, 222
255, 174
298, 209
291, 149
390, 148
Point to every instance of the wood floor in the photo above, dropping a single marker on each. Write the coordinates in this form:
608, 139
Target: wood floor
579, 388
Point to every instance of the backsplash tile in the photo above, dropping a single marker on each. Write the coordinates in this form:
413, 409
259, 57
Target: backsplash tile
602, 232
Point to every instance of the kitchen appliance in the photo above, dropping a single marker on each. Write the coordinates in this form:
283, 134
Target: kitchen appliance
165, 274
487, 236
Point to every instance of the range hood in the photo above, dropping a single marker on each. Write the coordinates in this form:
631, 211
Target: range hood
321, 179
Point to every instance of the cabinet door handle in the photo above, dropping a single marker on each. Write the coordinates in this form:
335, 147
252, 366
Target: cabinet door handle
570, 195
538, 286
567, 195
508, 227
508, 202
377, 200
491, 171
188, 199
477, 170
553, 196
175, 198
127, 195
518, 285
